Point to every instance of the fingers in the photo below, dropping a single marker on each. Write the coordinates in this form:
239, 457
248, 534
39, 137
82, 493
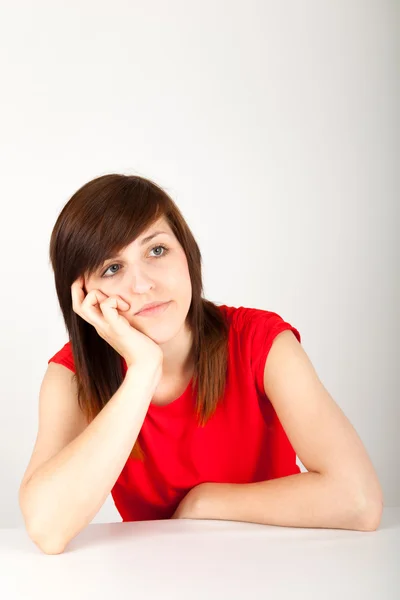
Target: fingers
110, 308
95, 306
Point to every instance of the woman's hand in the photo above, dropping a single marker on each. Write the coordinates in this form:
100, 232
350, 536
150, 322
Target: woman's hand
101, 311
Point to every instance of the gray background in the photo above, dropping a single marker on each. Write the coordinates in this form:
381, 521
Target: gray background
275, 128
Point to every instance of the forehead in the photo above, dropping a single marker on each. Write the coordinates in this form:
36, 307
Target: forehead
160, 223
158, 227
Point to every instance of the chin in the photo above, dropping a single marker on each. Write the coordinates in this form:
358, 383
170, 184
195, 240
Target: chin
155, 327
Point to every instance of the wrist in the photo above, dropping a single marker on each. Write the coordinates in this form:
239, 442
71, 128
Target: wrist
148, 373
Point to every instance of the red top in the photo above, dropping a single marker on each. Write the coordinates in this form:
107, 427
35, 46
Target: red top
243, 442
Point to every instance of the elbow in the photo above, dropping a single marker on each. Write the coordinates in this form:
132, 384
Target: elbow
371, 511
36, 532
372, 517
51, 548
47, 544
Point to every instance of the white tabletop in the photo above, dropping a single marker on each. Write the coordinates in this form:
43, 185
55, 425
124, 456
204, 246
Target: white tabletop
198, 559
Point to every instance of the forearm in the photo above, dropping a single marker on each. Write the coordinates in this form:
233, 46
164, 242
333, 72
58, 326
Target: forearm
65, 493
303, 500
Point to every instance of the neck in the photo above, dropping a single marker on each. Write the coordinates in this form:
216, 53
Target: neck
178, 356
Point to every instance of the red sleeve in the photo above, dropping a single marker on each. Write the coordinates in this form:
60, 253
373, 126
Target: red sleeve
265, 326
64, 357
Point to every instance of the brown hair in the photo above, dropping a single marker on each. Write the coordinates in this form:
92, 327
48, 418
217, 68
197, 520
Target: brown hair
101, 218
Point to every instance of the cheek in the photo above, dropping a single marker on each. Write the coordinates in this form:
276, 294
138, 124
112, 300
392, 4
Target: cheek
183, 266
179, 279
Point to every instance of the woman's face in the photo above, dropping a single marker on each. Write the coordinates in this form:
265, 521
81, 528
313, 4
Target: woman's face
155, 270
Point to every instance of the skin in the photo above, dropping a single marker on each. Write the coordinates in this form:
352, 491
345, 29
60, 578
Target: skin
143, 274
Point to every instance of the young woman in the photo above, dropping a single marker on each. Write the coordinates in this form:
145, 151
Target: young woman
174, 409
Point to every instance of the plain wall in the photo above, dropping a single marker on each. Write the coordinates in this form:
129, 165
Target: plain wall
275, 128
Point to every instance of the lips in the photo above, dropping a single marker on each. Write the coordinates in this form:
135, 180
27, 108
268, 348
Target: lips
151, 305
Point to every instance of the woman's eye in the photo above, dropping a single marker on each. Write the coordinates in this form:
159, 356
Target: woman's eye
164, 253
163, 247
110, 267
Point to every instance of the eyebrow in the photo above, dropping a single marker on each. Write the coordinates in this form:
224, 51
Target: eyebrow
150, 237
142, 243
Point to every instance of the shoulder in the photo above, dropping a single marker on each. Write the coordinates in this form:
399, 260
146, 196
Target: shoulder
252, 333
239, 316
257, 323
64, 356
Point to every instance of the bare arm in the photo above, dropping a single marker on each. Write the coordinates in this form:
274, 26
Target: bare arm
66, 492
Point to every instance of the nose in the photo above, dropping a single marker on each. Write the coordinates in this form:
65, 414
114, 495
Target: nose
139, 281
